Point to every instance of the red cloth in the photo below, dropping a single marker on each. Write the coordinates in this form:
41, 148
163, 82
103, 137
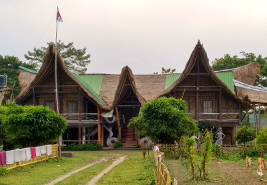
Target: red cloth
33, 152
2, 158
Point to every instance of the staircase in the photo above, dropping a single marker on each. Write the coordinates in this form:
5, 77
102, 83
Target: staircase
128, 138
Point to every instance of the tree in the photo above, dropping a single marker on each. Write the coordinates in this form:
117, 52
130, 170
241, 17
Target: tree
31, 125
262, 137
9, 65
244, 134
165, 71
76, 60
164, 120
228, 62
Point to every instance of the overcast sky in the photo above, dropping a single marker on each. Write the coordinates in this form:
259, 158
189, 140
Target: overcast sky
143, 34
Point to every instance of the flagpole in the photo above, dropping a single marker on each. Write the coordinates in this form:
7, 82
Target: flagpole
56, 86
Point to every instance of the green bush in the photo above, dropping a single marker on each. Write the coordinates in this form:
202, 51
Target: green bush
262, 137
118, 145
84, 147
244, 134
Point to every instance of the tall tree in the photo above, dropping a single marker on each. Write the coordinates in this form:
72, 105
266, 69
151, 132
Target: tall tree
228, 62
76, 60
9, 65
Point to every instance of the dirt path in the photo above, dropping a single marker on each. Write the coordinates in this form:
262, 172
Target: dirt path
101, 174
61, 178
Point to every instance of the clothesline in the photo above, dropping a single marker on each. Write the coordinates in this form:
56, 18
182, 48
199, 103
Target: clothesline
25, 154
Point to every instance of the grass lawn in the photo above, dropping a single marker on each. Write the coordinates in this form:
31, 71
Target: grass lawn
134, 169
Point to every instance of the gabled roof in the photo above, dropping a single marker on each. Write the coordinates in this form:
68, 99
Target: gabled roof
48, 67
198, 53
126, 74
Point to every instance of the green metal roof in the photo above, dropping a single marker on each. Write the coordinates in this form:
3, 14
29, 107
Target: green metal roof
28, 70
170, 79
92, 83
227, 78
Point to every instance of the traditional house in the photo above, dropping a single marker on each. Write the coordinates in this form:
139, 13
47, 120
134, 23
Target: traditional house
98, 107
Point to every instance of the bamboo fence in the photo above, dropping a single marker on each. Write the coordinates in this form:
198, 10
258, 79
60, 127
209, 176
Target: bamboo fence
161, 174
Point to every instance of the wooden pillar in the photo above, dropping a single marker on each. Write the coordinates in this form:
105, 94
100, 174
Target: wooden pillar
79, 108
259, 116
80, 134
240, 113
99, 126
220, 105
118, 123
102, 135
83, 134
255, 116
33, 96
197, 92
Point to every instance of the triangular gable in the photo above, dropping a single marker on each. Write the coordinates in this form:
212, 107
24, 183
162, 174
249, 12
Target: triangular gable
48, 67
199, 54
126, 74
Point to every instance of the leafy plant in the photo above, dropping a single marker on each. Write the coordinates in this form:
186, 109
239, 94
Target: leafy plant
206, 151
244, 134
84, 147
118, 145
31, 125
164, 120
262, 137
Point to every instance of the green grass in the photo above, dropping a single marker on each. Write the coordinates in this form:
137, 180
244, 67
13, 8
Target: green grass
134, 170
84, 176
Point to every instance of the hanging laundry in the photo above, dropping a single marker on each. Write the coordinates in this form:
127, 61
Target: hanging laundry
23, 154
2, 158
43, 150
10, 157
38, 151
18, 155
28, 154
33, 152
49, 150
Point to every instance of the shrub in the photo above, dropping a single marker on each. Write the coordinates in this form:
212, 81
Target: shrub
84, 147
118, 145
262, 137
164, 120
244, 134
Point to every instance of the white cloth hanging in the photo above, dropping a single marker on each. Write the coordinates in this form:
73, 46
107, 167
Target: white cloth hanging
49, 150
38, 151
23, 154
28, 154
18, 155
43, 150
10, 157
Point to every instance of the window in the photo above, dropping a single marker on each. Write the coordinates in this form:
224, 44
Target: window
207, 106
50, 104
72, 107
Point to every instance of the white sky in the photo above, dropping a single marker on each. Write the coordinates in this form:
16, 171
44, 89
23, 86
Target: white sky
143, 34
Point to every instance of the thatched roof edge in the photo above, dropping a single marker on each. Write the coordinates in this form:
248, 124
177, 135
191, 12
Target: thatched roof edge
190, 64
124, 72
50, 53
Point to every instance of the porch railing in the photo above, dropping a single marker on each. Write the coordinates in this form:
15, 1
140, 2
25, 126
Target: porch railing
215, 116
80, 116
